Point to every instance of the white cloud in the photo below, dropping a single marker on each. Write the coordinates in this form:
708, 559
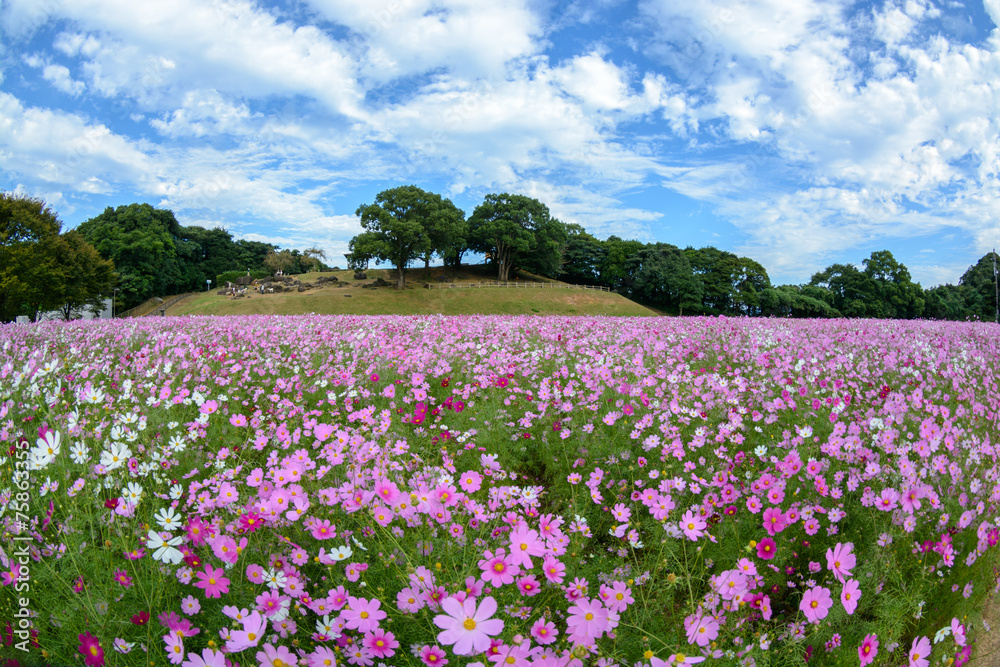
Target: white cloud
60, 78
469, 38
204, 112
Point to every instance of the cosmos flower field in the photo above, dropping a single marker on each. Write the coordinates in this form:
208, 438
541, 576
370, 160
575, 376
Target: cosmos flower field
322, 490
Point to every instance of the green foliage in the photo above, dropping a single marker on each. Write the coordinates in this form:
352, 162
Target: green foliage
155, 255
980, 280
405, 224
661, 274
612, 265
582, 257
42, 270
515, 230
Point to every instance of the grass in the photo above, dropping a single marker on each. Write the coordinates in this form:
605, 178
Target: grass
351, 299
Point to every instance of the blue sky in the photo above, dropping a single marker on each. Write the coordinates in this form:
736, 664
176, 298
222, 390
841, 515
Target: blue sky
795, 132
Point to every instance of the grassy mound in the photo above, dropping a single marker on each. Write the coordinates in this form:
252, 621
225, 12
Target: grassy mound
347, 296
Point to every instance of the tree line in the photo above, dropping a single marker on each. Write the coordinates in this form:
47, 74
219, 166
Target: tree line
138, 252
407, 224
133, 252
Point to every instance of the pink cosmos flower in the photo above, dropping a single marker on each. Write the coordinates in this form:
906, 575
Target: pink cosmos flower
840, 560
774, 521
766, 549
498, 568
467, 627
544, 631
276, 657
676, 659
525, 543
701, 630
868, 650
554, 570
920, 651
850, 595
587, 618
322, 657
381, 643
432, 656
816, 603
620, 597
529, 586
212, 582
254, 627
208, 658
174, 647
362, 615
692, 525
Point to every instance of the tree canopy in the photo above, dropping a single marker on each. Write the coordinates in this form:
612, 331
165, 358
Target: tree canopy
42, 269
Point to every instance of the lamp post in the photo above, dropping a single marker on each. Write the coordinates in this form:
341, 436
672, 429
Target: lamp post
208, 284
113, 293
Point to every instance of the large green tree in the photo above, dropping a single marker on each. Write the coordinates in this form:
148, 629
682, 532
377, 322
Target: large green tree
899, 297
661, 274
979, 279
515, 230
398, 227
86, 277
43, 270
139, 239
582, 257
611, 268
29, 241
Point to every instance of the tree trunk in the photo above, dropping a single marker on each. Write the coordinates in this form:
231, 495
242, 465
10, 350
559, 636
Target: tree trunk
400, 278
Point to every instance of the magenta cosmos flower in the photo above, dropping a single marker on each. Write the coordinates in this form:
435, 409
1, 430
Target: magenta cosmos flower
868, 650
816, 604
93, 654
774, 521
467, 627
766, 549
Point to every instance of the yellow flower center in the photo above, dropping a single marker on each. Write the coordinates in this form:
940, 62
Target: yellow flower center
589, 616
364, 614
469, 624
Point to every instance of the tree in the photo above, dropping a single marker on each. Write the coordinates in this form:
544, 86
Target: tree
508, 227
312, 259
139, 240
898, 296
612, 269
661, 274
398, 227
29, 240
282, 261
582, 257
87, 279
982, 300
855, 294
447, 229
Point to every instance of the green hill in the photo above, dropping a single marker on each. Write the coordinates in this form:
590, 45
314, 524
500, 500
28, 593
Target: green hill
532, 295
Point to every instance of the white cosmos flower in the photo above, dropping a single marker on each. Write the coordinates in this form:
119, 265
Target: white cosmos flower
164, 549
341, 553
132, 493
79, 453
176, 491
168, 519
115, 457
